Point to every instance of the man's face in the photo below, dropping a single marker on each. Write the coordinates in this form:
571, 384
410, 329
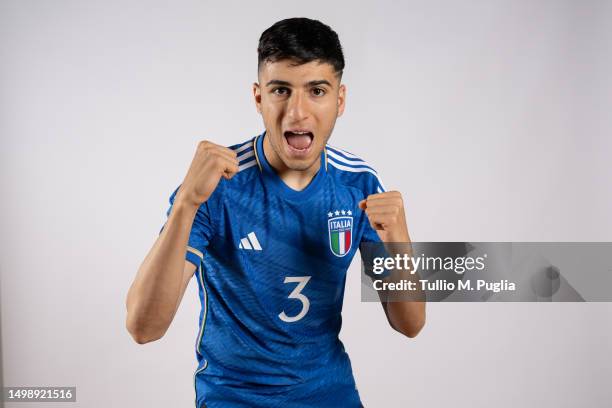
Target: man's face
299, 105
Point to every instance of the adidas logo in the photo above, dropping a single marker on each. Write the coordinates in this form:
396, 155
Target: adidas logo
250, 242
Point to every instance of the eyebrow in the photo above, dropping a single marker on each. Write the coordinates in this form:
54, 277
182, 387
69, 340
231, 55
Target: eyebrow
311, 83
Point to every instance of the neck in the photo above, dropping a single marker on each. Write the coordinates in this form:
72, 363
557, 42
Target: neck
296, 179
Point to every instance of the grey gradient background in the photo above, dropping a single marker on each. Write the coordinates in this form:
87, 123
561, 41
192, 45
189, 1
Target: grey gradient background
491, 117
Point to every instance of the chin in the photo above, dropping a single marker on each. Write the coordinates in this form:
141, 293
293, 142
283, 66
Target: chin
301, 164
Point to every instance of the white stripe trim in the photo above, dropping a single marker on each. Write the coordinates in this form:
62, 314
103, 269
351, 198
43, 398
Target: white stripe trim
345, 152
195, 252
246, 155
253, 238
194, 381
335, 156
248, 164
343, 160
201, 333
205, 311
245, 243
243, 147
354, 170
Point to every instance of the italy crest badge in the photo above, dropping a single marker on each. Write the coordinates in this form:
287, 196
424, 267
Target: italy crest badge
340, 226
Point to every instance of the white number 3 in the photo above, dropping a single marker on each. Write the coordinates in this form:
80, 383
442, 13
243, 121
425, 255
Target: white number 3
301, 281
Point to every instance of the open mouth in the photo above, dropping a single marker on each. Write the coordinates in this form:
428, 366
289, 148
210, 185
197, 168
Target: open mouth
299, 140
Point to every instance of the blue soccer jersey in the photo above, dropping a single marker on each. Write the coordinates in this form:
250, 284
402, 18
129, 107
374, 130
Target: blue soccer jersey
271, 268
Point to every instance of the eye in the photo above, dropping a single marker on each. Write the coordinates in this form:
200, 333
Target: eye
280, 91
318, 91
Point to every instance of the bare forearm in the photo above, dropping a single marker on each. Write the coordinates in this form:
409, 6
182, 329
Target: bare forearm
406, 317
405, 309
152, 298
159, 285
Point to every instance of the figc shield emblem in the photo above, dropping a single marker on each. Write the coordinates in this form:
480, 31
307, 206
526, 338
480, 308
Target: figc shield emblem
340, 233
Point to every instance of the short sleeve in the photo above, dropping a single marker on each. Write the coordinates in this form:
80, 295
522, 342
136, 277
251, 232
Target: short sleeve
372, 185
201, 232
369, 234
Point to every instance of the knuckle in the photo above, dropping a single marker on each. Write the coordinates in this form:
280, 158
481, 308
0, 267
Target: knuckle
217, 157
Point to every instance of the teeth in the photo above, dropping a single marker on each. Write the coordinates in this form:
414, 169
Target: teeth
300, 133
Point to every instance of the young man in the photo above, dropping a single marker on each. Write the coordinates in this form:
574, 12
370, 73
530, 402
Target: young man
270, 227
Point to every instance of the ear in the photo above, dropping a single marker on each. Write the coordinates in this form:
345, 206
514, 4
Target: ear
257, 96
341, 99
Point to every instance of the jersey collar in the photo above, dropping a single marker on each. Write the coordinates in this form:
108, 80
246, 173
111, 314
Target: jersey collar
272, 179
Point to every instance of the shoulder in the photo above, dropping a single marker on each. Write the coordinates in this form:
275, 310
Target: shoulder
246, 160
353, 171
245, 154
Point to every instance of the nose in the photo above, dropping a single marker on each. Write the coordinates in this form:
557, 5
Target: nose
297, 107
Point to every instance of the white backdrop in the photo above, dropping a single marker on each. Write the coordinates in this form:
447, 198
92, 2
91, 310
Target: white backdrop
491, 117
